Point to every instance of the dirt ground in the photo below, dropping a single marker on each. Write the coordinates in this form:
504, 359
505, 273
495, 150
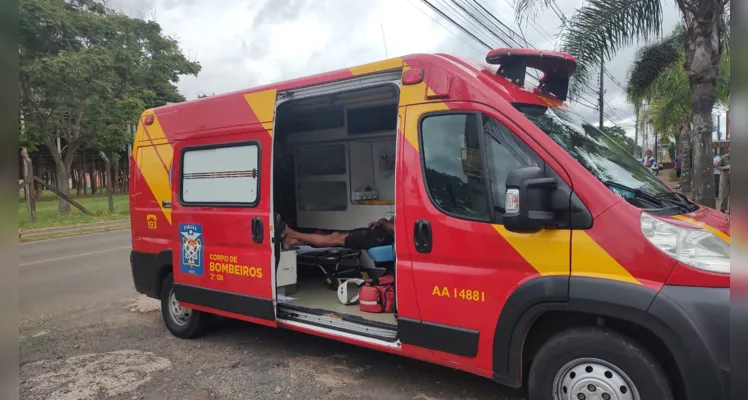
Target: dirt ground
121, 350
86, 334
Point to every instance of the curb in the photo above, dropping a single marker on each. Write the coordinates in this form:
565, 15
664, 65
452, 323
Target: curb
65, 228
42, 237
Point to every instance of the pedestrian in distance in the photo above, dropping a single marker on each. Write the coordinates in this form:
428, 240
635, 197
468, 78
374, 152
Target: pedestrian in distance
648, 160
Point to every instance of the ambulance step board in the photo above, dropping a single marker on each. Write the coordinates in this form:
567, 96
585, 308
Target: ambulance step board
336, 322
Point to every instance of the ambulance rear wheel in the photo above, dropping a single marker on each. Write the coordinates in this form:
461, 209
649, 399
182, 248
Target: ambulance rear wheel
182, 322
595, 364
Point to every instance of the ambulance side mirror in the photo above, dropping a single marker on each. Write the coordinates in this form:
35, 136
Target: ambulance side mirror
528, 200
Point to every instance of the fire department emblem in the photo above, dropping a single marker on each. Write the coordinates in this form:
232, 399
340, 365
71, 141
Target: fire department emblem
192, 249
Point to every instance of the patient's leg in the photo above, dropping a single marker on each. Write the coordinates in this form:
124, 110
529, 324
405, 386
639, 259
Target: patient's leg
289, 242
293, 238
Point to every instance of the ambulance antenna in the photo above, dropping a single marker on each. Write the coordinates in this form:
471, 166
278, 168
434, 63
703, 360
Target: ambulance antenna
384, 41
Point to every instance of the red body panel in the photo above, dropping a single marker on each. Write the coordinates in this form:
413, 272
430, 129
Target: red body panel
151, 232
712, 218
466, 255
618, 231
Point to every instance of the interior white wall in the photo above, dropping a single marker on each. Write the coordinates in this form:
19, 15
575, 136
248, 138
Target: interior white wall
362, 169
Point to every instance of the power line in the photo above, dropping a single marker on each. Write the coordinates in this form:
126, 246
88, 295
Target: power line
510, 29
506, 37
564, 21
452, 6
496, 22
455, 23
461, 27
522, 36
469, 17
444, 27
560, 14
475, 29
542, 32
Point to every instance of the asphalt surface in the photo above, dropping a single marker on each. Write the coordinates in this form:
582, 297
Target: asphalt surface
86, 334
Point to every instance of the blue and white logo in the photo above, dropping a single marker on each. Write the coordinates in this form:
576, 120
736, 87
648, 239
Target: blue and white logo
191, 253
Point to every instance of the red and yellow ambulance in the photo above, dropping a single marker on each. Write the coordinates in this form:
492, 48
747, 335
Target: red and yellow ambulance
529, 248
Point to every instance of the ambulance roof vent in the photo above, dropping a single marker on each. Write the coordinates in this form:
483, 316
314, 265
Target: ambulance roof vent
557, 68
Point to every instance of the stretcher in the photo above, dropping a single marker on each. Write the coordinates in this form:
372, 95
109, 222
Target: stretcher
340, 263
336, 263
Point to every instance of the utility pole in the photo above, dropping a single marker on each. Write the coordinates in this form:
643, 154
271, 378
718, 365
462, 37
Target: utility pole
384, 41
636, 130
601, 99
719, 130
727, 125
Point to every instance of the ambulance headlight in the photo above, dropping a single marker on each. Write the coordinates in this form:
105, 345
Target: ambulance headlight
698, 248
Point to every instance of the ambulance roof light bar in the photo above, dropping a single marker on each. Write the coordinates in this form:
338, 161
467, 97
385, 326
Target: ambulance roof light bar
557, 68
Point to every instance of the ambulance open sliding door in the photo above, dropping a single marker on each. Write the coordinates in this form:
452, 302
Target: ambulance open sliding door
221, 213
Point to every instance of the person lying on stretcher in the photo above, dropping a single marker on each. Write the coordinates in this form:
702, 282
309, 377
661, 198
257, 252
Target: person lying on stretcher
378, 233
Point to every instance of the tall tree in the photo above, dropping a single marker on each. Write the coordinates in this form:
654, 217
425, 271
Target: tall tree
658, 77
601, 27
619, 135
85, 72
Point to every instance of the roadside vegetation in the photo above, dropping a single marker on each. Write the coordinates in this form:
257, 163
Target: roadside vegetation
48, 215
87, 72
680, 78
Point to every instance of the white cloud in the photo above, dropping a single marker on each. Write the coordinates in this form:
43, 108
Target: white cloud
243, 44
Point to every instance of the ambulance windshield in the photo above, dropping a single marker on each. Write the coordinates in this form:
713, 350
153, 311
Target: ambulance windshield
598, 153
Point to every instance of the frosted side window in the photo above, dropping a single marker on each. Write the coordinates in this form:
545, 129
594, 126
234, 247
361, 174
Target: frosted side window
222, 175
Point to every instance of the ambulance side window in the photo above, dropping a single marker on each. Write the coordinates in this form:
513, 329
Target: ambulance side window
453, 166
467, 158
504, 153
220, 175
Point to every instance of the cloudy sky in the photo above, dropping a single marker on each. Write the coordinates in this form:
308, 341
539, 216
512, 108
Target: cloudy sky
244, 43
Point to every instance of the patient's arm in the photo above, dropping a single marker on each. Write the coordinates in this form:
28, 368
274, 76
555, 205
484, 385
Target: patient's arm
386, 224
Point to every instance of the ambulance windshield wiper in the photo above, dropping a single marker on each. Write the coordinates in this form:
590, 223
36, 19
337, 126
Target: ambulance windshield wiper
680, 199
649, 198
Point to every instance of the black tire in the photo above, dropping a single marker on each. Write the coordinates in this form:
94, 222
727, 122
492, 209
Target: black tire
195, 325
609, 346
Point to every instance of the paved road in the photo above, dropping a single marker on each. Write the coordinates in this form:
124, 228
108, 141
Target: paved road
86, 334
75, 271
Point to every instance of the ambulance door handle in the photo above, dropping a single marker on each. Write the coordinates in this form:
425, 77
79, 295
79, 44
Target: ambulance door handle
166, 204
423, 236
257, 231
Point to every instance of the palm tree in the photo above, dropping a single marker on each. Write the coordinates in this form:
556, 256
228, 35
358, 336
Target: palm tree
658, 79
602, 27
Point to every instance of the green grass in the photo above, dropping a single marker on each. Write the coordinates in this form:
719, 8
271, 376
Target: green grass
47, 215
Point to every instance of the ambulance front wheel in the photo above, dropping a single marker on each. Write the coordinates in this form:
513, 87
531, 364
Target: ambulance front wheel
182, 322
595, 364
